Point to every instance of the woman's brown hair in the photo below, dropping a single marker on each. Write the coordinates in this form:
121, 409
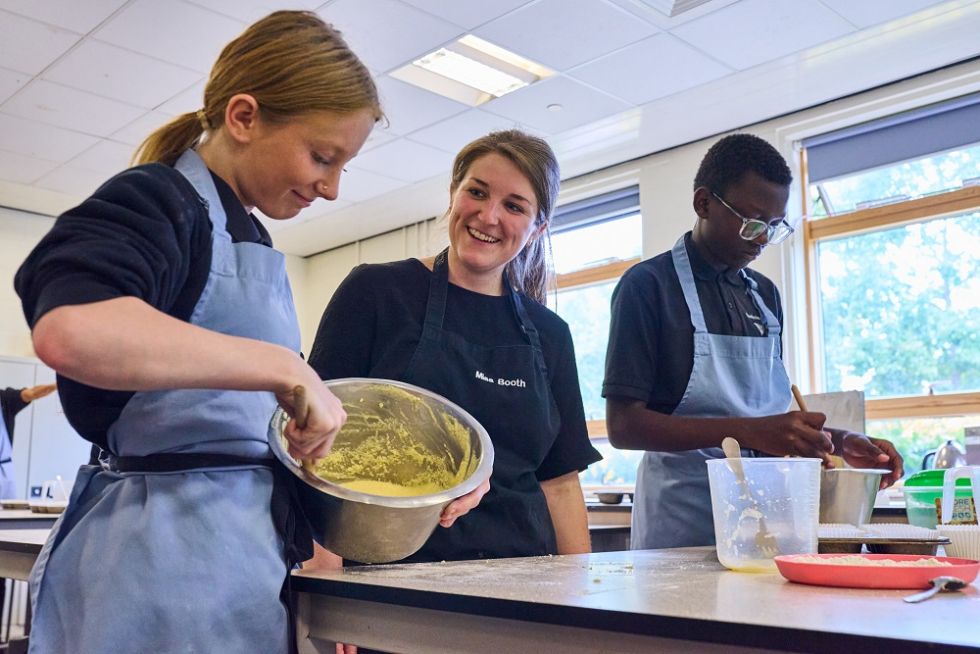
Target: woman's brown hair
291, 62
528, 271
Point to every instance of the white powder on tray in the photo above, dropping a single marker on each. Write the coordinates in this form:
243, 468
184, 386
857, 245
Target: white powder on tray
856, 559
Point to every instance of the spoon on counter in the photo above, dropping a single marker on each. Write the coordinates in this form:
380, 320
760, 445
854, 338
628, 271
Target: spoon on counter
764, 539
939, 584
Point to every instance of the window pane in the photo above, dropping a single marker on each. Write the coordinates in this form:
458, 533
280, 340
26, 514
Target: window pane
938, 173
617, 468
598, 243
586, 310
901, 308
913, 437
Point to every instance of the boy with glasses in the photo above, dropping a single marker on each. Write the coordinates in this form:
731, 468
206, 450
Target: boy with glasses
695, 352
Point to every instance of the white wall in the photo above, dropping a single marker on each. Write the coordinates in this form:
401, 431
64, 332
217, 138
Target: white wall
19, 233
325, 271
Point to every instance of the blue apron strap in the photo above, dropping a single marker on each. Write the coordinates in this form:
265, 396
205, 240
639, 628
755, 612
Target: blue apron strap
772, 324
191, 166
685, 275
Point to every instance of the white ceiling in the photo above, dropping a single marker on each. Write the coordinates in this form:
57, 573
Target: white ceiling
83, 81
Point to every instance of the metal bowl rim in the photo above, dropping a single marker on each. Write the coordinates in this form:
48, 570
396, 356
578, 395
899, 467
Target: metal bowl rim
482, 471
765, 459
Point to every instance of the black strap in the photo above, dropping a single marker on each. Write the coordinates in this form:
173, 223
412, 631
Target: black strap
5, 461
435, 309
177, 462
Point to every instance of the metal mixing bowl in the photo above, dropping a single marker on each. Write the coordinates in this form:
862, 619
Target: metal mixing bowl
847, 495
375, 528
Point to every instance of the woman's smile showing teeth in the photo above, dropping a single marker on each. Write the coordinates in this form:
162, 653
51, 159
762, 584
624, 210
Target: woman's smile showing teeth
480, 236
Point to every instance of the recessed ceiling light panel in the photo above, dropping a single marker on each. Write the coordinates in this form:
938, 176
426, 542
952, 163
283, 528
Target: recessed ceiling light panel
472, 71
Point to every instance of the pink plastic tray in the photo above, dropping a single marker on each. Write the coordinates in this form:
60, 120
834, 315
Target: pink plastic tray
863, 576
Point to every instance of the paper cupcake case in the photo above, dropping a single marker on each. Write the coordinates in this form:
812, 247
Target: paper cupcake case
964, 540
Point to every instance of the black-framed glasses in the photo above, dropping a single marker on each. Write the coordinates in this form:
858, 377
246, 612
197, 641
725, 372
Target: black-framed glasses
753, 228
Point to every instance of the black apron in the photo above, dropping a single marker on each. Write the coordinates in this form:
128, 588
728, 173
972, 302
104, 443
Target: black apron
506, 389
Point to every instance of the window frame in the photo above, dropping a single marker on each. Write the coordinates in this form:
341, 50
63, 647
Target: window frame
590, 276
866, 220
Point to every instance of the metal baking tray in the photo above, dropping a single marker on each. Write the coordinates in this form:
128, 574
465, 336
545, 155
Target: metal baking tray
879, 545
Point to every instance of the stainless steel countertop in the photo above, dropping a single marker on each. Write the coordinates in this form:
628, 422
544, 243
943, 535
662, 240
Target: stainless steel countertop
679, 594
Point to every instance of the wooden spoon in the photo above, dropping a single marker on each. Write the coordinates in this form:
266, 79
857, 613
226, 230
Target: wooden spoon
301, 412
834, 460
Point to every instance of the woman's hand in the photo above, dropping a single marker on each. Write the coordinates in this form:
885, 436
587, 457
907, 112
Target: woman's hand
861, 451
311, 435
464, 504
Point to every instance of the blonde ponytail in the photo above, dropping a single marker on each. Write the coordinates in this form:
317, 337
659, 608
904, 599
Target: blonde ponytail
167, 143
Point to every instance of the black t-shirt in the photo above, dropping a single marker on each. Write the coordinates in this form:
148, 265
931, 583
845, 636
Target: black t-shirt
651, 338
145, 233
10, 405
374, 320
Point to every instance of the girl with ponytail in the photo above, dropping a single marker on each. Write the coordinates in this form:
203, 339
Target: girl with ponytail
168, 317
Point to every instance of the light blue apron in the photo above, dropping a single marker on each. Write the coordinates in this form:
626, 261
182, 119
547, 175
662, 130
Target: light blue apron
733, 376
183, 561
8, 489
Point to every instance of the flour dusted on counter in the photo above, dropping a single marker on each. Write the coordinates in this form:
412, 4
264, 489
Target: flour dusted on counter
856, 559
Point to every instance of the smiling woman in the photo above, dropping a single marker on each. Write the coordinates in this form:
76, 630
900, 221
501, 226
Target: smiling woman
470, 326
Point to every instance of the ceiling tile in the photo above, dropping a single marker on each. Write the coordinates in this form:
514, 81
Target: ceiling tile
565, 33
653, 68
358, 184
58, 105
250, 11
81, 17
646, 10
404, 34
751, 32
136, 132
193, 39
34, 139
190, 99
579, 105
453, 133
467, 13
408, 107
405, 160
10, 81
872, 12
28, 46
22, 169
119, 74
319, 210
72, 180
378, 136
105, 157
